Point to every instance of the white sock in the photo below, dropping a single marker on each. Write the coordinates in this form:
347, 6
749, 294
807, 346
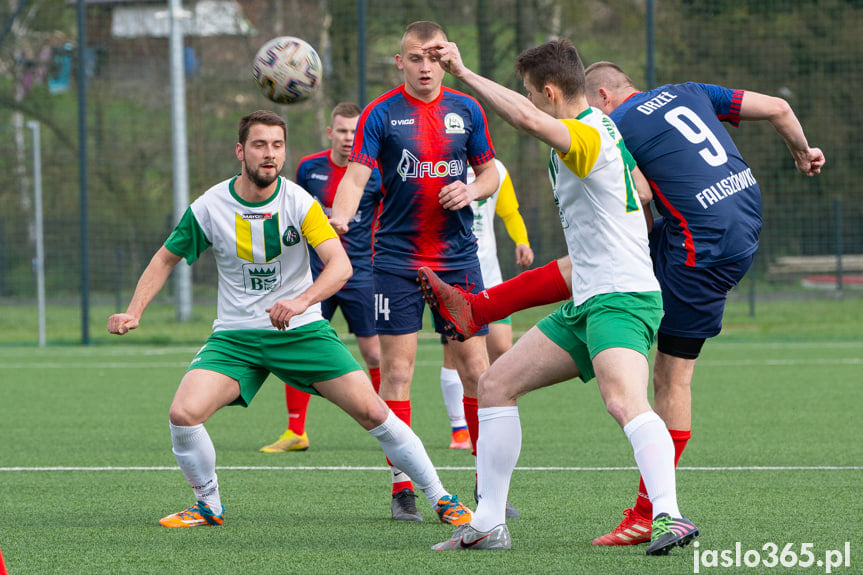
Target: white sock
406, 452
450, 386
398, 476
497, 451
193, 449
654, 454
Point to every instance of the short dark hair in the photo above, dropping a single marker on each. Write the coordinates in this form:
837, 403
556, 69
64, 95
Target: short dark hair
422, 30
606, 75
345, 110
265, 117
555, 62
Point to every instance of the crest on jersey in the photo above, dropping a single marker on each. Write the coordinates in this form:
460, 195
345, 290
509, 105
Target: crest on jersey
259, 279
291, 236
453, 123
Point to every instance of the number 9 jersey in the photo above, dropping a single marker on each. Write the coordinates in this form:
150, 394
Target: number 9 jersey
706, 192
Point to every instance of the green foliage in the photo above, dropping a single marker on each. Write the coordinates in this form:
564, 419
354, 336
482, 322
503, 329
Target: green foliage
804, 51
46, 16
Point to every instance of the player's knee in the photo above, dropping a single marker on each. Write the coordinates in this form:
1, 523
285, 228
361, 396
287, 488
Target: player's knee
396, 386
183, 415
371, 355
623, 409
400, 372
471, 375
492, 389
470, 371
372, 360
616, 409
371, 411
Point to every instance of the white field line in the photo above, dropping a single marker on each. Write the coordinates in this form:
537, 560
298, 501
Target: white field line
381, 468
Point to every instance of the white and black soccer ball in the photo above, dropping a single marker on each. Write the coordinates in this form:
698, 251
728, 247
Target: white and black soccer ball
288, 70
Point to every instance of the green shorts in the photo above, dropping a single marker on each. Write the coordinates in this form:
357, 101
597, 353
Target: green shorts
627, 320
299, 357
504, 321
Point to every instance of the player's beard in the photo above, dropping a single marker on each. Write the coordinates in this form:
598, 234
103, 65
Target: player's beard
260, 180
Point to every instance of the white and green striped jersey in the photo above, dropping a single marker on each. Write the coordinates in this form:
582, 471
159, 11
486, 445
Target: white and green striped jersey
504, 204
260, 250
483, 229
601, 215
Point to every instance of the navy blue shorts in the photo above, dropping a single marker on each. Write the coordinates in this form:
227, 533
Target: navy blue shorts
399, 303
693, 299
357, 305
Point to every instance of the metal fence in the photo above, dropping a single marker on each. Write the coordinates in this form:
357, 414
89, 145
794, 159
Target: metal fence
806, 51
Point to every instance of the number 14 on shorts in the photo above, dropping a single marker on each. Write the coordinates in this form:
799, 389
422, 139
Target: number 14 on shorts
382, 307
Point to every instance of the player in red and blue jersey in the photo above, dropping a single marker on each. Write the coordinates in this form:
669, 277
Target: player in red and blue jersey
701, 185
320, 175
422, 137
421, 146
706, 239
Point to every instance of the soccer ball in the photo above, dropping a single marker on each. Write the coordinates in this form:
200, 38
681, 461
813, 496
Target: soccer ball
287, 70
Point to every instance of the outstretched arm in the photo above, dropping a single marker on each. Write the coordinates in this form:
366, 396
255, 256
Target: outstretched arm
778, 112
513, 107
149, 284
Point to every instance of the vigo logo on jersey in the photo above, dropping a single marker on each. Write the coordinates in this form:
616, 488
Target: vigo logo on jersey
411, 167
259, 279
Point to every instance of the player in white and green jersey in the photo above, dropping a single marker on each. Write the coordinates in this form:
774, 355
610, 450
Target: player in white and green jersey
259, 226
606, 330
260, 249
504, 204
600, 213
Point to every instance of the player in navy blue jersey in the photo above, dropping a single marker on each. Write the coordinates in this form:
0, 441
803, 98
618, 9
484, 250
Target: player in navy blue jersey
702, 246
704, 243
320, 175
422, 136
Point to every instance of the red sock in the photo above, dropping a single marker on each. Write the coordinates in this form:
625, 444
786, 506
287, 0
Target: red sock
528, 289
298, 404
402, 409
679, 437
2, 565
642, 503
471, 405
375, 375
